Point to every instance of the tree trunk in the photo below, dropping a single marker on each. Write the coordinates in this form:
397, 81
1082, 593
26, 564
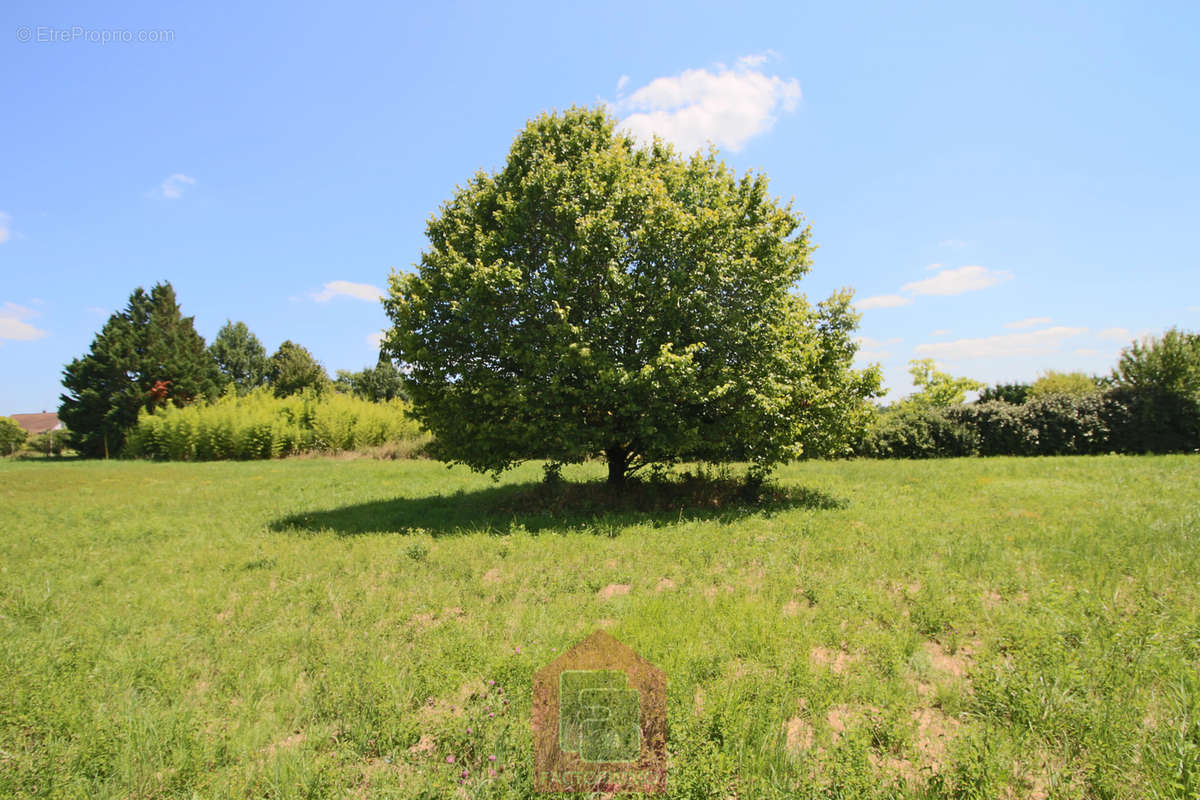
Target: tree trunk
618, 465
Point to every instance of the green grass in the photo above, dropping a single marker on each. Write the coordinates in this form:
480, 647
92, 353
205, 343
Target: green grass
304, 628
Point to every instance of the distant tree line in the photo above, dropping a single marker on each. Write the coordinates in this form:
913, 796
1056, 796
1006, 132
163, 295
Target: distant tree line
148, 356
1150, 403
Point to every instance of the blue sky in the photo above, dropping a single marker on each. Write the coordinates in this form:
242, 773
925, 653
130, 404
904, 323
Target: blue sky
1008, 188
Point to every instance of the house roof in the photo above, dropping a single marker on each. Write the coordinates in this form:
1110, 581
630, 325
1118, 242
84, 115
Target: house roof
38, 423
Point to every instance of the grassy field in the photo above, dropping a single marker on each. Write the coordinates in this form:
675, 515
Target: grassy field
323, 628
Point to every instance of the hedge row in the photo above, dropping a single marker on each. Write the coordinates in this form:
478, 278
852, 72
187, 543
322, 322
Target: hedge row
260, 425
1118, 420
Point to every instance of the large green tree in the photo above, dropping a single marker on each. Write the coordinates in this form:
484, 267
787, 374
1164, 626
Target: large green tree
292, 369
145, 355
598, 298
239, 356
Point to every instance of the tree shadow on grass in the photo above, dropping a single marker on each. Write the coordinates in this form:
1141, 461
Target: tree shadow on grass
535, 507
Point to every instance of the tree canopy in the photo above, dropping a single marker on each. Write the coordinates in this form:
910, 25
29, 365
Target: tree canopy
292, 369
938, 388
1169, 363
595, 297
377, 384
1072, 383
240, 356
147, 355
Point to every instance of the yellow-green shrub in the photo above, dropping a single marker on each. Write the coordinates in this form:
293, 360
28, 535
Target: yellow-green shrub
260, 425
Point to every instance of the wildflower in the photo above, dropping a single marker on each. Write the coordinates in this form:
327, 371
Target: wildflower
491, 758
449, 759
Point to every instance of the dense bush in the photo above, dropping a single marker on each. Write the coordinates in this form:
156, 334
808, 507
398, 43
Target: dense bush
1008, 392
12, 436
918, 430
260, 425
1119, 419
49, 443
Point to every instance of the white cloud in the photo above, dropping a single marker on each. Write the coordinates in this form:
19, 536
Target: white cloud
173, 186
755, 59
882, 301
1115, 335
932, 267
374, 339
622, 82
873, 349
941, 332
5, 231
13, 325
727, 107
1028, 322
1009, 344
958, 281
359, 291
1086, 351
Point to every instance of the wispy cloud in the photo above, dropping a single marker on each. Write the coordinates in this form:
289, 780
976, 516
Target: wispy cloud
1028, 322
13, 323
375, 339
173, 186
622, 82
727, 106
5, 230
883, 301
958, 281
359, 291
875, 349
941, 332
1040, 342
1115, 335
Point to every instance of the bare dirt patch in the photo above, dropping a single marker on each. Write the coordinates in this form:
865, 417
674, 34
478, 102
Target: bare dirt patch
424, 746
886, 765
955, 665
710, 592
664, 585
842, 718
613, 590
839, 661
934, 731
798, 735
